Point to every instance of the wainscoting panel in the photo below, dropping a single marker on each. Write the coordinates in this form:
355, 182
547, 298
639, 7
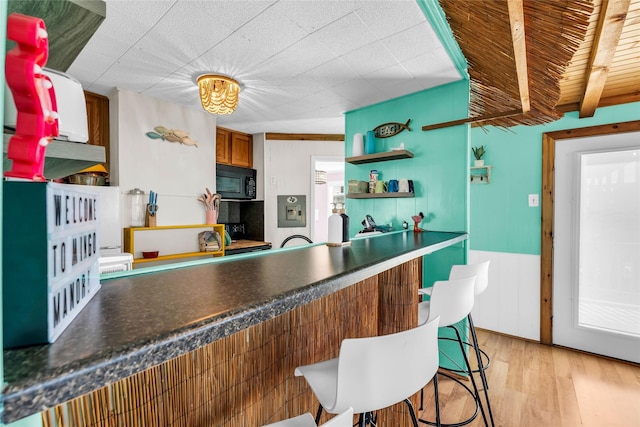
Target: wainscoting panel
511, 303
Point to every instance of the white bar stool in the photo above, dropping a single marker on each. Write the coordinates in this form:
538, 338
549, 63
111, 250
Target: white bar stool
481, 271
374, 373
306, 420
452, 301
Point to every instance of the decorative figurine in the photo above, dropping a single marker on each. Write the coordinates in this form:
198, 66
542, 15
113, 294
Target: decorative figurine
417, 219
33, 94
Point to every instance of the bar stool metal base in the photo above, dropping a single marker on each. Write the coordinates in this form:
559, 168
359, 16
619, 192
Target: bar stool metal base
475, 394
460, 423
482, 367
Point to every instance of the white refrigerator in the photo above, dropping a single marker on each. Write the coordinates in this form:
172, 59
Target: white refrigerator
112, 257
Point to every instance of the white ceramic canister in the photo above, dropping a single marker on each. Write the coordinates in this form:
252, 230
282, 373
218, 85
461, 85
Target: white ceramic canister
357, 149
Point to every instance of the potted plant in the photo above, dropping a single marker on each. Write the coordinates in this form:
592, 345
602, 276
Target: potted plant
478, 152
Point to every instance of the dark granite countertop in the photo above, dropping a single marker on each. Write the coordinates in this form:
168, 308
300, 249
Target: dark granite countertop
143, 319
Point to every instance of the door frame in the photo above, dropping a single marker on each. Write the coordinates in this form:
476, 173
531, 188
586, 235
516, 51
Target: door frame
312, 191
546, 230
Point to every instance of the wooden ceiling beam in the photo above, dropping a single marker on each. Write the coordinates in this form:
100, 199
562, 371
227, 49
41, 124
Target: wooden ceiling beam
516, 20
626, 98
612, 16
479, 119
304, 136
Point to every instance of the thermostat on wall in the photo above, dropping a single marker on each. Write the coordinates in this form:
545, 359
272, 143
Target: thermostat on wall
292, 211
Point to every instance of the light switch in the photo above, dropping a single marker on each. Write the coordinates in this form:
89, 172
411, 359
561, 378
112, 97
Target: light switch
533, 200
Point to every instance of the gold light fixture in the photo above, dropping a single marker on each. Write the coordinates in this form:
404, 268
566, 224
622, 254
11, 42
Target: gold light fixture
218, 94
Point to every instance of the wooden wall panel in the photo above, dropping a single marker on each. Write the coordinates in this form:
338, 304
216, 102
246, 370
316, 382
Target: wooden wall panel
546, 239
397, 288
398, 299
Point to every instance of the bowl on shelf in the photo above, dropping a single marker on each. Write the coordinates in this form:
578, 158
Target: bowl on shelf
150, 254
94, 175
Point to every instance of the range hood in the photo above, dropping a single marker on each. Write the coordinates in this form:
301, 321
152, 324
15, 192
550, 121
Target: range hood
63, 158
70, 24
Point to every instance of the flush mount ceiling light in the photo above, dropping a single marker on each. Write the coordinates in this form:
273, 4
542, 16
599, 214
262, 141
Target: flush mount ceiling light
218, 94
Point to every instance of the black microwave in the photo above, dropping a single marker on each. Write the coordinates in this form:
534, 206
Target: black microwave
233, 182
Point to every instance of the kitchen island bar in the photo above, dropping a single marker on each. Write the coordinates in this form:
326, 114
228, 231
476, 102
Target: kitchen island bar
214, 343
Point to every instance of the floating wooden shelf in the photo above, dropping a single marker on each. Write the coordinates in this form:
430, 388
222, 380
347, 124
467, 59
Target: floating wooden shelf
177, 256
129, 242
380, 157
379, 195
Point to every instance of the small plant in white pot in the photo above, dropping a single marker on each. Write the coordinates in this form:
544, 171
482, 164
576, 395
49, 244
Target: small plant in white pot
478, 152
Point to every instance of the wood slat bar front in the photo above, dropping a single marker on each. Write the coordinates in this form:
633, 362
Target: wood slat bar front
398, 296
246, 379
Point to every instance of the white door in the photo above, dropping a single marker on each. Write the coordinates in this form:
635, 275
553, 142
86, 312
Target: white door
596, 262
326, 193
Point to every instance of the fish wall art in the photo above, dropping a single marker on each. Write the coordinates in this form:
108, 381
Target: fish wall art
172, 135
387, 130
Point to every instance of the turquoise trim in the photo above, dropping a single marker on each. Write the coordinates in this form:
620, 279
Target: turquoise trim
174, 265
436, 17
34, 420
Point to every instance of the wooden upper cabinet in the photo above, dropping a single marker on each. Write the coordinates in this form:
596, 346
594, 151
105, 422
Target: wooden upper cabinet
98, 121
234, 148
241, 150
223, 146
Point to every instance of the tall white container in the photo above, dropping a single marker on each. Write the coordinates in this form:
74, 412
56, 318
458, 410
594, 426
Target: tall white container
357, 148
335, 229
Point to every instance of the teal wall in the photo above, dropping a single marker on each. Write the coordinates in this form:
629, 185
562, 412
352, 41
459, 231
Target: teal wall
501, 220
438, 168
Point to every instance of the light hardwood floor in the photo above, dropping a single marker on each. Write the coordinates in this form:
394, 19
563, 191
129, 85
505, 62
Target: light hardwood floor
536, 385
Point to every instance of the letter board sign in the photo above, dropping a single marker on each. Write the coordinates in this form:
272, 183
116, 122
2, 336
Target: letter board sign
50, 264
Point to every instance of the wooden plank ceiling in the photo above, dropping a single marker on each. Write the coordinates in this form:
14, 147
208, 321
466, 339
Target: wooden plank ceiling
622, 82
530, 61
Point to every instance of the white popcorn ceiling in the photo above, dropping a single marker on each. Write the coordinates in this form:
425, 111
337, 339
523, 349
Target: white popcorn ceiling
301, 64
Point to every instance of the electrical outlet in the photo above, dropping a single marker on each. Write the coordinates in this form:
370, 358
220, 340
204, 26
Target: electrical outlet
533, 200
273, 180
